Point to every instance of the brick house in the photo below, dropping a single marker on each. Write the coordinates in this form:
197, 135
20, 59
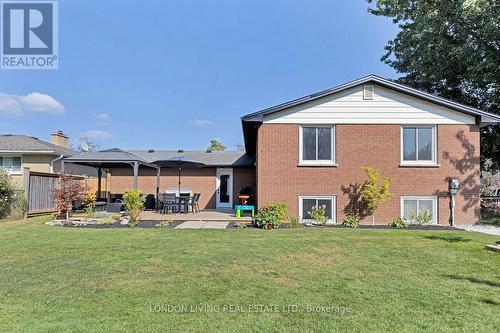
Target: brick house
311, 150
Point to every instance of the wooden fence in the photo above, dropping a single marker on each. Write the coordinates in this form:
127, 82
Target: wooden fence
40, 189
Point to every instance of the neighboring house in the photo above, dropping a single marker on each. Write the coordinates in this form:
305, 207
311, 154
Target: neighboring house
310, 151
18, 152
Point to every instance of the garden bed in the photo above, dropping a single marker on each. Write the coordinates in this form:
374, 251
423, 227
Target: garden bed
96, 223
361, 226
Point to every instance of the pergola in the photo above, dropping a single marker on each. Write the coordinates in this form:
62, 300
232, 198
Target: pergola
109, 158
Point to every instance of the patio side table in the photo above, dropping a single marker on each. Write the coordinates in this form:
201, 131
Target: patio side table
240, 209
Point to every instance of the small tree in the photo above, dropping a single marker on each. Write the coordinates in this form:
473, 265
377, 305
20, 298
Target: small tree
86, 144
134, 202
70, 189
216, 145
375, 191
7, 193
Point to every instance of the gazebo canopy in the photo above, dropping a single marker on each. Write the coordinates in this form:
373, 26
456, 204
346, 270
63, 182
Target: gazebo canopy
111, 158
108, 158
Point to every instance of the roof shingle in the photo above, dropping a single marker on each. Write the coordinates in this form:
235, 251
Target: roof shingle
24, 143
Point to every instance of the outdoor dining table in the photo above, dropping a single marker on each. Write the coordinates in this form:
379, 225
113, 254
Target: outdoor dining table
182, 204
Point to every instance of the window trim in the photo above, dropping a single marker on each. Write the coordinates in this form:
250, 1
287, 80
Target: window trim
434, 198
332, 161
433, 162
13, 172
332, 197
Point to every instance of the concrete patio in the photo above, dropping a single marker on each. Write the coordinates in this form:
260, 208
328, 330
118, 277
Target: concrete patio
221, 215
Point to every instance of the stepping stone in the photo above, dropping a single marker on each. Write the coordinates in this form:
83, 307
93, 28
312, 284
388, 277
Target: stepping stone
202, 225
493, 247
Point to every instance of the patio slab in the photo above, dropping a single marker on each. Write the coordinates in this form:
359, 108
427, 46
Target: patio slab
204, 215
202, 225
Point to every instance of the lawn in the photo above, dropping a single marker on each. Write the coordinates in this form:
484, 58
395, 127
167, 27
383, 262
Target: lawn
68, 279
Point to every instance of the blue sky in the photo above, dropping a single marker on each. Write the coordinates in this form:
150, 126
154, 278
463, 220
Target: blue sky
174, 74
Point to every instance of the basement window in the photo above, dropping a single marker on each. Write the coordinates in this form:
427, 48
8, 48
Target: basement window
306, 203
415, 207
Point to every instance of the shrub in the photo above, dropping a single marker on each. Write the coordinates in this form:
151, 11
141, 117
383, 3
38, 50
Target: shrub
376, 190
164, 224
19, 207
422, 218
293, 223
272, 215
70, 189
89, 202
134, 202
399, 223
350, 222
7, 194
108, 220
318, 214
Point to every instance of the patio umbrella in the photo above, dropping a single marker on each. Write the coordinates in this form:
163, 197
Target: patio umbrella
178, 162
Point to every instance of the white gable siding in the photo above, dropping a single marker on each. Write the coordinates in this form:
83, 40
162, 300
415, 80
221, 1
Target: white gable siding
387, 107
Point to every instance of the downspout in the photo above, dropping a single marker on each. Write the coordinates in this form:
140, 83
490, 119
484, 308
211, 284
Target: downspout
54, 160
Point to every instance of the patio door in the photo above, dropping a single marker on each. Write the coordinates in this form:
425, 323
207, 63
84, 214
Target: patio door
224, 189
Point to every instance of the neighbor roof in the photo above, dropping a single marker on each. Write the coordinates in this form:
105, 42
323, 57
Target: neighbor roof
214, 158
28, 144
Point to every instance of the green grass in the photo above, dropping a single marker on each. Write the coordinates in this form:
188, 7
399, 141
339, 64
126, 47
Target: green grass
66, 279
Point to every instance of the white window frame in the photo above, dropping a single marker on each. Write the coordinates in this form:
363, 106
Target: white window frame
330, 162
11, 172
319, 197
434, 146
435, 215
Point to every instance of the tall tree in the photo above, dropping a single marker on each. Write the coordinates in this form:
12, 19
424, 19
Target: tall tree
450, 48
216, 145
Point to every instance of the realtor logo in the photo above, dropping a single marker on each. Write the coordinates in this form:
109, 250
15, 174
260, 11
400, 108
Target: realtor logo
29, 32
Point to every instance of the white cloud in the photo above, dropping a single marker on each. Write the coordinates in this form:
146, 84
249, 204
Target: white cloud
94, 134
10, 105
35, 102
104, 116
201, 122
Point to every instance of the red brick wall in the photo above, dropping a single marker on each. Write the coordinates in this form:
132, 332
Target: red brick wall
202, 180
280, 177
243, 177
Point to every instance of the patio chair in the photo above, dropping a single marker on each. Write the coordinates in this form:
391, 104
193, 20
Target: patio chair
182, 204
194, 203
168, 204
159, 202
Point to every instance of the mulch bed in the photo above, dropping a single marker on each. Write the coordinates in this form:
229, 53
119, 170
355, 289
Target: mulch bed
232, 225
365, 226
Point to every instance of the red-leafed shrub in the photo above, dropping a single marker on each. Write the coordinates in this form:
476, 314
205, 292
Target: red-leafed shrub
70, 189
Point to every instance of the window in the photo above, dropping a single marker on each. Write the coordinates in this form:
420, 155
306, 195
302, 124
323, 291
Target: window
307, 202
12, 164
317, 145
418, 145
417, 206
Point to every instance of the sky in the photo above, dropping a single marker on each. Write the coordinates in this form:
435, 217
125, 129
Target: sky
174, 74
